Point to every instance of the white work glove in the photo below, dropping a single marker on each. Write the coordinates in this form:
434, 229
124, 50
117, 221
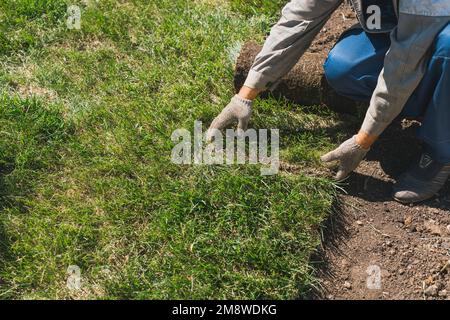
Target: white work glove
238, 110
349, 154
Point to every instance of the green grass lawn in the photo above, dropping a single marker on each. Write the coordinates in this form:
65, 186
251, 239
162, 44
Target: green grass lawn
85, 174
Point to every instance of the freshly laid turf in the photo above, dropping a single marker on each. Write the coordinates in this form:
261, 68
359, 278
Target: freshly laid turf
86, 118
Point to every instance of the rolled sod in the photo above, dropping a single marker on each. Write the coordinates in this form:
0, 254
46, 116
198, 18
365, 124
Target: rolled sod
305, 84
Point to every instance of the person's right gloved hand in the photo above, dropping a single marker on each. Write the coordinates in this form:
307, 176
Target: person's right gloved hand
238, 110
349, 154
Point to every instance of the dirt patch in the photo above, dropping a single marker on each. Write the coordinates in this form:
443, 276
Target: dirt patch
305, 84
29, 90
376, 248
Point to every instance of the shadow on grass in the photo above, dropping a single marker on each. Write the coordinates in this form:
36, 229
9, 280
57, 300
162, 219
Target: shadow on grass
5, 254
33, 132
334, 231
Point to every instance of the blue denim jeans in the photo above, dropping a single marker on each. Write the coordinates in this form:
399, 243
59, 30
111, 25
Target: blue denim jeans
353, 66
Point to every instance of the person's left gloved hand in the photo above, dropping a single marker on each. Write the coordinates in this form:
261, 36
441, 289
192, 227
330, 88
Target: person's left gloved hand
349, 154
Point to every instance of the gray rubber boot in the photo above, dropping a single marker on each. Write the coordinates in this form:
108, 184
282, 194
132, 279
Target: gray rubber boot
422, 182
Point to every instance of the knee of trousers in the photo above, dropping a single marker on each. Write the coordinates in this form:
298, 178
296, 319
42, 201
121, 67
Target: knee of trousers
340, 73
442, 44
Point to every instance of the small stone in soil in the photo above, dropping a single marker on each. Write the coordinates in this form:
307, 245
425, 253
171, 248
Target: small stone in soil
408, 221
431, 290
443, 293
429, 280
347, 285
345, 263
432, 227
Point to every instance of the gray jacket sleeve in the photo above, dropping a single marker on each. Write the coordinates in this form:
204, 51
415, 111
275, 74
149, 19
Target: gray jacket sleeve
404, 67
301, 21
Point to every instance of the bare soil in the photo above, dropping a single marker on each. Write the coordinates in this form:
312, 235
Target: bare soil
369, 232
